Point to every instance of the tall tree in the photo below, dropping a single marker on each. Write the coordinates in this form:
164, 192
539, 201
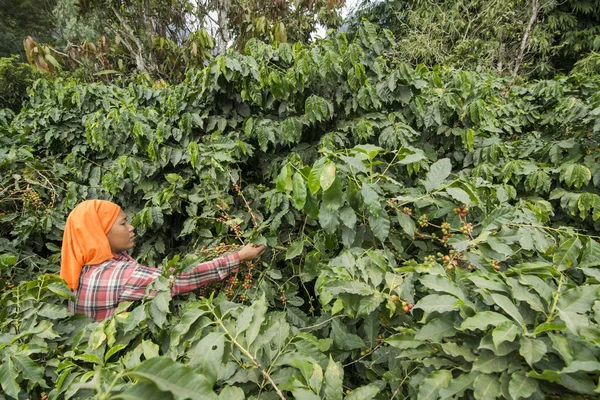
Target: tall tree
529, 37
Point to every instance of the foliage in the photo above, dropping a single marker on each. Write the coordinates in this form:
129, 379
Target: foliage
432, 232
22, 18
475, 33
15, 78
114, 40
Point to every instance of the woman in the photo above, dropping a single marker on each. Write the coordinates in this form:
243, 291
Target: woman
95, 263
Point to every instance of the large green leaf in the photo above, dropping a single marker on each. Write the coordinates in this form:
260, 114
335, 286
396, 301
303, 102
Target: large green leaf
438, 172
343, 339
590, 256
509, 307
482, 320
433, 383
171, 376
487, 387
576, 175
363, 393
567, 254
334, 375
380, 225
8, 378
532, 350
521, 386
327, 175
299, 191
206, 357
437, 303
436, 329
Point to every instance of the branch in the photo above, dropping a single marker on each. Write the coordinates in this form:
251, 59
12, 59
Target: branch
139, 55
251, 357
535, 8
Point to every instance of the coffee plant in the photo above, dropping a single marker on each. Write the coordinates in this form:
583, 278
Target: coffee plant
431, 233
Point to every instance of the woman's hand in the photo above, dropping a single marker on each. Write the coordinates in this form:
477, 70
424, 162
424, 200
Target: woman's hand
251, 251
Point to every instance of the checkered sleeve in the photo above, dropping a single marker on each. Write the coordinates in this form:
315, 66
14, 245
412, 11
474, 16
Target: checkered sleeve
206, 272
142, 276
135, 287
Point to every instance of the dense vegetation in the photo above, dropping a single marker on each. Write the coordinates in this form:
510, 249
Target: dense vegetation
536, 38
432, 231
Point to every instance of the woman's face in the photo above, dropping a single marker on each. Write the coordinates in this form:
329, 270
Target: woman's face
121, 236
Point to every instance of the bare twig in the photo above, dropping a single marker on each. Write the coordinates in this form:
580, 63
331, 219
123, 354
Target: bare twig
535, 8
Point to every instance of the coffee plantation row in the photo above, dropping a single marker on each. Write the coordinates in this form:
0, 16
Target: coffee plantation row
431, 233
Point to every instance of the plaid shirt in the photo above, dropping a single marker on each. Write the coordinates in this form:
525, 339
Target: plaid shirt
103, 286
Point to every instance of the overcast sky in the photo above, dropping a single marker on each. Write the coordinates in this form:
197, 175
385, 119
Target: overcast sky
349, 5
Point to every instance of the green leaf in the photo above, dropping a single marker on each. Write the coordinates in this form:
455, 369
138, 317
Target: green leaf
436, 329
438, 172
532, 350
171, 376
442, 284
371, 199
546, 375
284, 179
314, 177
459, 195
590, 256
334, 376
327, 176
7, 260
578, 299
488, 362
437, 303
343, 339
206, 357
348, 217
433, 383
582, 366
482, 320
8, 378
487, 387
328, 219
291, 129
508, 306
407, 224
380, 225
184, 324
521, 385
294, 250
333, 197
31, 371
506, 332
363, 393
232, 393
304, 394
259, 309
576, 175
299, 191
499, 246
142, 390
567, 254
458, 385
157, 216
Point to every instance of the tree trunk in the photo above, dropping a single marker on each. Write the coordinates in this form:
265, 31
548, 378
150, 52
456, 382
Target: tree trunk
535, 9
224, 36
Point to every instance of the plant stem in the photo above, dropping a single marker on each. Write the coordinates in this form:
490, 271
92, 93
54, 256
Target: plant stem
555, 300
248, 354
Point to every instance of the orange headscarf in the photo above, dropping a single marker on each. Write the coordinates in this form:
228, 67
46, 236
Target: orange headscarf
84, 240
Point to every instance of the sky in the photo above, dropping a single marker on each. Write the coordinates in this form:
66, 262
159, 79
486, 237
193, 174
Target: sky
349, 5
